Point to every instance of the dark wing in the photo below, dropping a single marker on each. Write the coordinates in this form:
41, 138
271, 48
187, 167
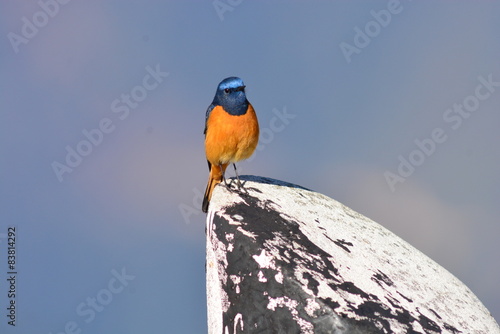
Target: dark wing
209, 110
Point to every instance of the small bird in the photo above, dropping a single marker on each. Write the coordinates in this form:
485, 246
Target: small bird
231, 132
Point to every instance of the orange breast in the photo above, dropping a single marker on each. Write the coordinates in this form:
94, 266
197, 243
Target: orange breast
231, 138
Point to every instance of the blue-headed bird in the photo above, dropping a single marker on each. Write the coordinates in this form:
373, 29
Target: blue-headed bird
231, 132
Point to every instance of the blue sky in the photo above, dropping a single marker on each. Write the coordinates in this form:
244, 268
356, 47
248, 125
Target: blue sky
137, 77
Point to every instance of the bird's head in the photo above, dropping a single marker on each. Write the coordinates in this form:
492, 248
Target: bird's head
231, 96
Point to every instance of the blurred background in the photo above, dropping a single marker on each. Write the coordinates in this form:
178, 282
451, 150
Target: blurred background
391, 108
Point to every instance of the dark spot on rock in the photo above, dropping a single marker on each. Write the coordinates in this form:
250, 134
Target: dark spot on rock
380, 278
328, 301
343, 244
351, 288
451, 328
253, 189
328, 238
428, 324
435, 313
408, 299
312, 284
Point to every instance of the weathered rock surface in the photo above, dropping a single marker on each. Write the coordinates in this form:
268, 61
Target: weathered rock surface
283, 259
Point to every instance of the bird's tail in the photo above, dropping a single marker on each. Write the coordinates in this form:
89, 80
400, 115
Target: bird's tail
214, 178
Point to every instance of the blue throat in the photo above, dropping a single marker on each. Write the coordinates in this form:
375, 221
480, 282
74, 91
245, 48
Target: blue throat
234, 106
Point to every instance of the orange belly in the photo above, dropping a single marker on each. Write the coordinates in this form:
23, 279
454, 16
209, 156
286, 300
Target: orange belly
231, 138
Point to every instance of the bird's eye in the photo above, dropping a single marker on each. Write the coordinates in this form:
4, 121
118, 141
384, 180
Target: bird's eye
226, 90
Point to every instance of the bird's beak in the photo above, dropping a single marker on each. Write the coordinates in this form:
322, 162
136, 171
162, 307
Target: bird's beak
241, 88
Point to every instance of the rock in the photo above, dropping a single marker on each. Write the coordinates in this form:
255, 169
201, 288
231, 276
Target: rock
284, 259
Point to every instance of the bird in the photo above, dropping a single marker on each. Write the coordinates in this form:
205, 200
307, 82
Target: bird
231, 133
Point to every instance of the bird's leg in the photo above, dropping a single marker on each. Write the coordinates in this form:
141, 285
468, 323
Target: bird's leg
228, 185
240, 186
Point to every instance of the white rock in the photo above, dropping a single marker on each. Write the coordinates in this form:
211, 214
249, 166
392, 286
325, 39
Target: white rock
301, 262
